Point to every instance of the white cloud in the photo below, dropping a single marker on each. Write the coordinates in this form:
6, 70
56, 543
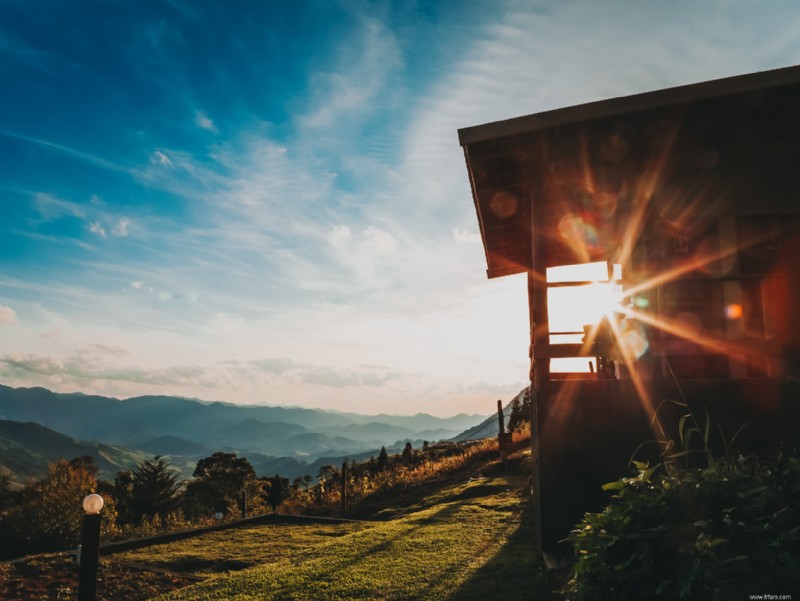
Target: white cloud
121, 228
340, 236
7, 316
159, 158
379, 241
51, 207
202, 120
96, 228
97, 364
353, 238
362, 71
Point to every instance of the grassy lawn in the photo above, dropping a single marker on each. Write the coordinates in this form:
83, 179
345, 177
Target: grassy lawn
240, 548
469, 541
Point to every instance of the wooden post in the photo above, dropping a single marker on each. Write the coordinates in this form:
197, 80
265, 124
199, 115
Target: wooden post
501, 423
344, 487
540, 329
535, 391
503, 439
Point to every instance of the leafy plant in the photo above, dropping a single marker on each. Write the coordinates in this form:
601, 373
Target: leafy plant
49, 515
688, 533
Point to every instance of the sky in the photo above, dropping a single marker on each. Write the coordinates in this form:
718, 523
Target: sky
266, 202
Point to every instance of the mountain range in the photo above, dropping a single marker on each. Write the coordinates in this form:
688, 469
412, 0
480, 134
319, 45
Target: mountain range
39, 426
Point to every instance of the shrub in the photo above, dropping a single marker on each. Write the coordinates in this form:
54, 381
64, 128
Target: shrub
712, 533
50, 515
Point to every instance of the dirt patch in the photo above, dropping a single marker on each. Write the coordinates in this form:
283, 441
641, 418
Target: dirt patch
55, 576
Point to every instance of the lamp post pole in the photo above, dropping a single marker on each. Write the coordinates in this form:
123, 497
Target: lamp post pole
90, 548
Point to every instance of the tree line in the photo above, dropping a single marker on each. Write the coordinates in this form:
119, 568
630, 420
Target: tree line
150, 499
46, 514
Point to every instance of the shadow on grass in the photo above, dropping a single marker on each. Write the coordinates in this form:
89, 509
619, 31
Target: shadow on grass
512, 574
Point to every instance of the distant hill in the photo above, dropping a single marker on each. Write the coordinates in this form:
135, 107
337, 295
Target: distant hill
173, 445
287, 440
489, 426
158, 422
26, 449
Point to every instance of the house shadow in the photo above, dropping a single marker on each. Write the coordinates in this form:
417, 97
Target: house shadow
513, 573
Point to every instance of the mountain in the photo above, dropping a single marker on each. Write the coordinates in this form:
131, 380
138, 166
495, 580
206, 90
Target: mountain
254, 434
214, 424
26, 449
287, 440
173, 445
489, 426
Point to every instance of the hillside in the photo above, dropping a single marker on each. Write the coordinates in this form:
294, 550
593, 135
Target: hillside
188, 428
463, 537
488, 427
26, 449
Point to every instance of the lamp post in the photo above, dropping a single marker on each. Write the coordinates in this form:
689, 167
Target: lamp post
90, 548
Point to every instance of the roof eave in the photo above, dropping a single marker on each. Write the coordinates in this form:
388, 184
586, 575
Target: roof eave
627, 104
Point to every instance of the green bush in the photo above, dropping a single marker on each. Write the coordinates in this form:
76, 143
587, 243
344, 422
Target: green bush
719, 532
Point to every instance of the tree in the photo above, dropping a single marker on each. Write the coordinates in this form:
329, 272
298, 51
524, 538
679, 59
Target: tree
49, 518
6, 495
123, 493
203, 497
277, 491
520, 411
85, 462
328, 472
221, 480
383, 459
154, 489
408, 454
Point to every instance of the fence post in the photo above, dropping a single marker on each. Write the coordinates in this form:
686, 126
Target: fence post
344, 487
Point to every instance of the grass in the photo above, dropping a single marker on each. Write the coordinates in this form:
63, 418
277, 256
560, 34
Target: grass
459, 536
237, 549
466, 542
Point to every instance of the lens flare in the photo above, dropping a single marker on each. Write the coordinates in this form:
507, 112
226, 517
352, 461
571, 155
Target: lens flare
734, 311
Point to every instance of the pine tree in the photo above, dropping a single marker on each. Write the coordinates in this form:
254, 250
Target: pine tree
383, 459
520, 410
277, 491
408, 454
154, 489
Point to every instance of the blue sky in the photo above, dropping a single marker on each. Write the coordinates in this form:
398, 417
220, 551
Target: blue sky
266, 202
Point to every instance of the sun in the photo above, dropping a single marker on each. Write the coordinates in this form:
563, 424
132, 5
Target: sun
579, 296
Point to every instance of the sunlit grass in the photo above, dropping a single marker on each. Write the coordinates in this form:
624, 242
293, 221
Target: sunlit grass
226, 550
436, 551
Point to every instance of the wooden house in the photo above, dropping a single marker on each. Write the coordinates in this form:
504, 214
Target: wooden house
685, 204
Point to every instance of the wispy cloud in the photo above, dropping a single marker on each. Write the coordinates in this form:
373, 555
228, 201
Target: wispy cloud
121, 227
359, 74
160, 158
204, 122
84, 157
50, 207
96, 228
339, 235
292, 372
93, 364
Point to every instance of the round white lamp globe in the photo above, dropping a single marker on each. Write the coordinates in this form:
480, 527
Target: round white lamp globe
93, 504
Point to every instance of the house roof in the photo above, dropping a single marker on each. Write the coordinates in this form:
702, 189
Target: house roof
507, 161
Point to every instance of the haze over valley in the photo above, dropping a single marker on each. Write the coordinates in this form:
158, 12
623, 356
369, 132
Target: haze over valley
37, 426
